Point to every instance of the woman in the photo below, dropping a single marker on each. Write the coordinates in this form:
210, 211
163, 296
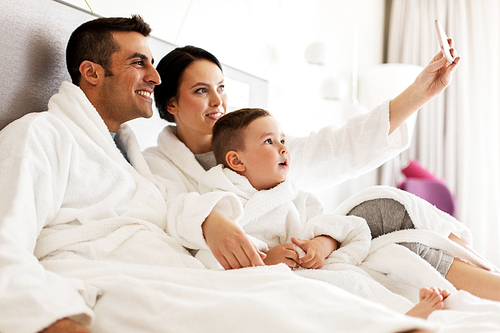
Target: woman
192, 96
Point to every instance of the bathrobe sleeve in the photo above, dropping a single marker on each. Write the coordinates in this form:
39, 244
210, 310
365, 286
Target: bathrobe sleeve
362, 145
351, 232
32, 184
175, 166
187, 211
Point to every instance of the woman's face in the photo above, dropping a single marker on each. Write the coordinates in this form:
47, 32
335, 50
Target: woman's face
201, 100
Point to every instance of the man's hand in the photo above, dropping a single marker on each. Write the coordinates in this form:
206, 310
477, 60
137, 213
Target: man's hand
65, 326
229, 243
283, 253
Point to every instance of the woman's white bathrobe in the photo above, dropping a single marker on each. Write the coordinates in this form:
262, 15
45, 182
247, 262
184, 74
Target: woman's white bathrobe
272, 217
335, 154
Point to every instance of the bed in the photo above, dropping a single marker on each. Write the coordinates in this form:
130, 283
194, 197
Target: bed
146, 298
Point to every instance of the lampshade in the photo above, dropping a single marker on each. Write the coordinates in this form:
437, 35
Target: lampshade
334, 88
315, 53
385, 81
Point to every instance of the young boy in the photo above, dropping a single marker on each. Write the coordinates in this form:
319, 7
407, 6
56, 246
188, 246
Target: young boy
253, 162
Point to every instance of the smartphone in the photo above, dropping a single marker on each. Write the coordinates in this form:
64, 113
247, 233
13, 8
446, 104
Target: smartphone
443, 42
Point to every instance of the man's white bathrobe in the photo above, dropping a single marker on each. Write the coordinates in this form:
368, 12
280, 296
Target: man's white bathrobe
66, 192
322, 159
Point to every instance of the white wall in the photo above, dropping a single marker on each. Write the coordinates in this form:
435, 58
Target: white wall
267, 38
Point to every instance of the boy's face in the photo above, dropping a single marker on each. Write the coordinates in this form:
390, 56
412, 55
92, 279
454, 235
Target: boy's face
265, 156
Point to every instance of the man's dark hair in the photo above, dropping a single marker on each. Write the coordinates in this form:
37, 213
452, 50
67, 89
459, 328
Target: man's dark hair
94, 41
171, 68
227, 133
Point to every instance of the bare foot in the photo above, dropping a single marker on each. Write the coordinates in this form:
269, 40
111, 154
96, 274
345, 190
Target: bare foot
431, 299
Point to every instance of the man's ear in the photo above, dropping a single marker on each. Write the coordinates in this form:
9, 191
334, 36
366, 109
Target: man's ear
90, 72
234, 161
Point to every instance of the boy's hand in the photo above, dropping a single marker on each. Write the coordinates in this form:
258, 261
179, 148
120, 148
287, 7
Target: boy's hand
283, 253
316, 249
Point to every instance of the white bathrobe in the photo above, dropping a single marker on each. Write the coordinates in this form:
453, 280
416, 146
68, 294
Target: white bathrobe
64, 182
104, 255
272, 217
82, 236
336, 154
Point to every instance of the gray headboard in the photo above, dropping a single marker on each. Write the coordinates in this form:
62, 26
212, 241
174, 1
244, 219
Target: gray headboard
33, 65
33, 43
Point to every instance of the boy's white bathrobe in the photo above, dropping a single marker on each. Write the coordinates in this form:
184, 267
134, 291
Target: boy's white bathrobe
322, 159
272, 217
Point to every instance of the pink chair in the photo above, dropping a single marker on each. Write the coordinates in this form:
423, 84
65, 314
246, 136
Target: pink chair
427, 186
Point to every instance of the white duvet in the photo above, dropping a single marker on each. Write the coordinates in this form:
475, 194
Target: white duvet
82, 235
114, 268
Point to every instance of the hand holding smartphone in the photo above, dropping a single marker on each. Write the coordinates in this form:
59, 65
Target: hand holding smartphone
443, 42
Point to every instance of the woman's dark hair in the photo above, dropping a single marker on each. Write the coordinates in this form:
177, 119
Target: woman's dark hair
93, 41
227, 133
171, 68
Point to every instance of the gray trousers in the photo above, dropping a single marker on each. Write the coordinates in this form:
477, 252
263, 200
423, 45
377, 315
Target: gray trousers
387, 215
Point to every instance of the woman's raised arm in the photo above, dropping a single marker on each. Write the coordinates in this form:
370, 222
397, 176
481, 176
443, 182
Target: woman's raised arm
435, 77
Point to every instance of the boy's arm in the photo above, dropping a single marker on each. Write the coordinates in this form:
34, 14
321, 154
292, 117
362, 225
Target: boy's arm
316, 249
283, 253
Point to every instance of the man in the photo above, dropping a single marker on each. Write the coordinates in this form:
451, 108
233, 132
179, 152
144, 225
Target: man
66, 175
82, 219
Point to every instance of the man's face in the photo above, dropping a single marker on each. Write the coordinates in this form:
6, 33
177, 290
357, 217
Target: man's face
126, 94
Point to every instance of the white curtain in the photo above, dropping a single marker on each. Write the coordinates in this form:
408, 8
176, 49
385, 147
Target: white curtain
457, 135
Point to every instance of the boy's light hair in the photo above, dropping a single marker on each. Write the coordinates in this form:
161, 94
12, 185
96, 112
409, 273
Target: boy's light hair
228, 132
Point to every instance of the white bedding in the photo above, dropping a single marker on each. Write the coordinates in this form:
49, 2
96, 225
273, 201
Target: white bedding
127, 284
386, 273
142, 299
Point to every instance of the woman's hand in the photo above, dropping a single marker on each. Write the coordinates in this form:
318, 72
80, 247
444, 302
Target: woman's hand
229, 243
437, 75
316, 249
434, 78
283, 253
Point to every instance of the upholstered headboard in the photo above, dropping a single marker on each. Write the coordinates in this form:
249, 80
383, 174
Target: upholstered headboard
33, 64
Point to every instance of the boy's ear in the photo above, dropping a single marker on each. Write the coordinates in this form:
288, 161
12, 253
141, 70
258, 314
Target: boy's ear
90, 72
234, 162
